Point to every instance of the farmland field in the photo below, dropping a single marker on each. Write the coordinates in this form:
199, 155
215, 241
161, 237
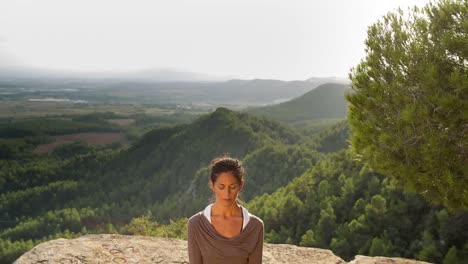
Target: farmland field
92, 138
122, 121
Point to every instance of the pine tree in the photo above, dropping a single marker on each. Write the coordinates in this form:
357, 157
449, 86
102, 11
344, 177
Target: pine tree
409, 100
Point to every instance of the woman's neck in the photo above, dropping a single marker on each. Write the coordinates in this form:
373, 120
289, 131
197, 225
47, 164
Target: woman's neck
232, 210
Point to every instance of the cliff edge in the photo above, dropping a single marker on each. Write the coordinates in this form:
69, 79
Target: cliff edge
114, 248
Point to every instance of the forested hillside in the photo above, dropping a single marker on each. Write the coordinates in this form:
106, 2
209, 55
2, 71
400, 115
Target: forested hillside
327, 101
333, 138
339, 204
336, 202
304, 183
79, 188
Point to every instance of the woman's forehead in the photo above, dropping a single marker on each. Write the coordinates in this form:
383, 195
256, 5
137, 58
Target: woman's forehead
226, 178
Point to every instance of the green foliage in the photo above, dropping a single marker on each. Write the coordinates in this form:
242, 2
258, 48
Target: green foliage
18, 175
10, 251
308, 239
39, 194
73, 149
313, 127
304, 197
164, 164
451, 256
429, 248
143, 226
380, 247
274, 166
341, 205
20, 148
331, 139
326, 226
66, 223
51, 222
409, 98
27, 201
43, 126
409, 101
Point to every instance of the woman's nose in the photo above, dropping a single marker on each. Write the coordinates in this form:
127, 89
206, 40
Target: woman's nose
228, 192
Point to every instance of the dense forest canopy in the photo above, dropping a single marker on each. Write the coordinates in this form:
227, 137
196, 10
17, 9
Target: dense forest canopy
151, 187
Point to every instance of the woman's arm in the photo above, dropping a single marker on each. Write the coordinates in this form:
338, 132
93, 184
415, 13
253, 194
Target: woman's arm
257, 254
194, 252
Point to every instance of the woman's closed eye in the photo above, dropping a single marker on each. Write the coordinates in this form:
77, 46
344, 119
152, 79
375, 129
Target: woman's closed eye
231, 187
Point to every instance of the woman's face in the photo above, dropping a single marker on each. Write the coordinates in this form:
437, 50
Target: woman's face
226, 188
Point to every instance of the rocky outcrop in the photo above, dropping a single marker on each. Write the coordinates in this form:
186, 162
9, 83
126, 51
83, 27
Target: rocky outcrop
110, 248
383, 260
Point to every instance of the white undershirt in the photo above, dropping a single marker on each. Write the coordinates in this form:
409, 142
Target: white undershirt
245, 213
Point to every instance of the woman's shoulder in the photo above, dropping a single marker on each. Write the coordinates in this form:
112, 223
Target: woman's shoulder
195, 219
256, 220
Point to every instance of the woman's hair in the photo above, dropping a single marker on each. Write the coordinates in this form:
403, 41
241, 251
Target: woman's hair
226, 164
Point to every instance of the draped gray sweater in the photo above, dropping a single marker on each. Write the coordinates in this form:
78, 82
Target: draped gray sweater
207, 246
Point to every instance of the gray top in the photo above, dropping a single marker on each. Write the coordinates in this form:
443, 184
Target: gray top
207, 246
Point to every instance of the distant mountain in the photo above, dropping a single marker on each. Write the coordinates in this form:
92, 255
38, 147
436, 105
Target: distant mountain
164, 87
229, 93
263, 91
156, 86
154, 75
324, 102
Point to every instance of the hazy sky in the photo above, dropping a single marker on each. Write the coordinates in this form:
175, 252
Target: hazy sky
288, 40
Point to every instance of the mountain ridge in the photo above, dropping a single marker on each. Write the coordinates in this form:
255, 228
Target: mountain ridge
326, 101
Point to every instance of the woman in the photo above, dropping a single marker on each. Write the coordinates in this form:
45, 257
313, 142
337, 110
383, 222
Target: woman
225, 232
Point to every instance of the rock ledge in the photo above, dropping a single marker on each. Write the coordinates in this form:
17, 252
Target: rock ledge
114, 248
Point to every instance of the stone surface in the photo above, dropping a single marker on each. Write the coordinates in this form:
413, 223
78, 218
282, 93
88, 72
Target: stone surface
383, 260
108, 248
113, 248
283, 253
